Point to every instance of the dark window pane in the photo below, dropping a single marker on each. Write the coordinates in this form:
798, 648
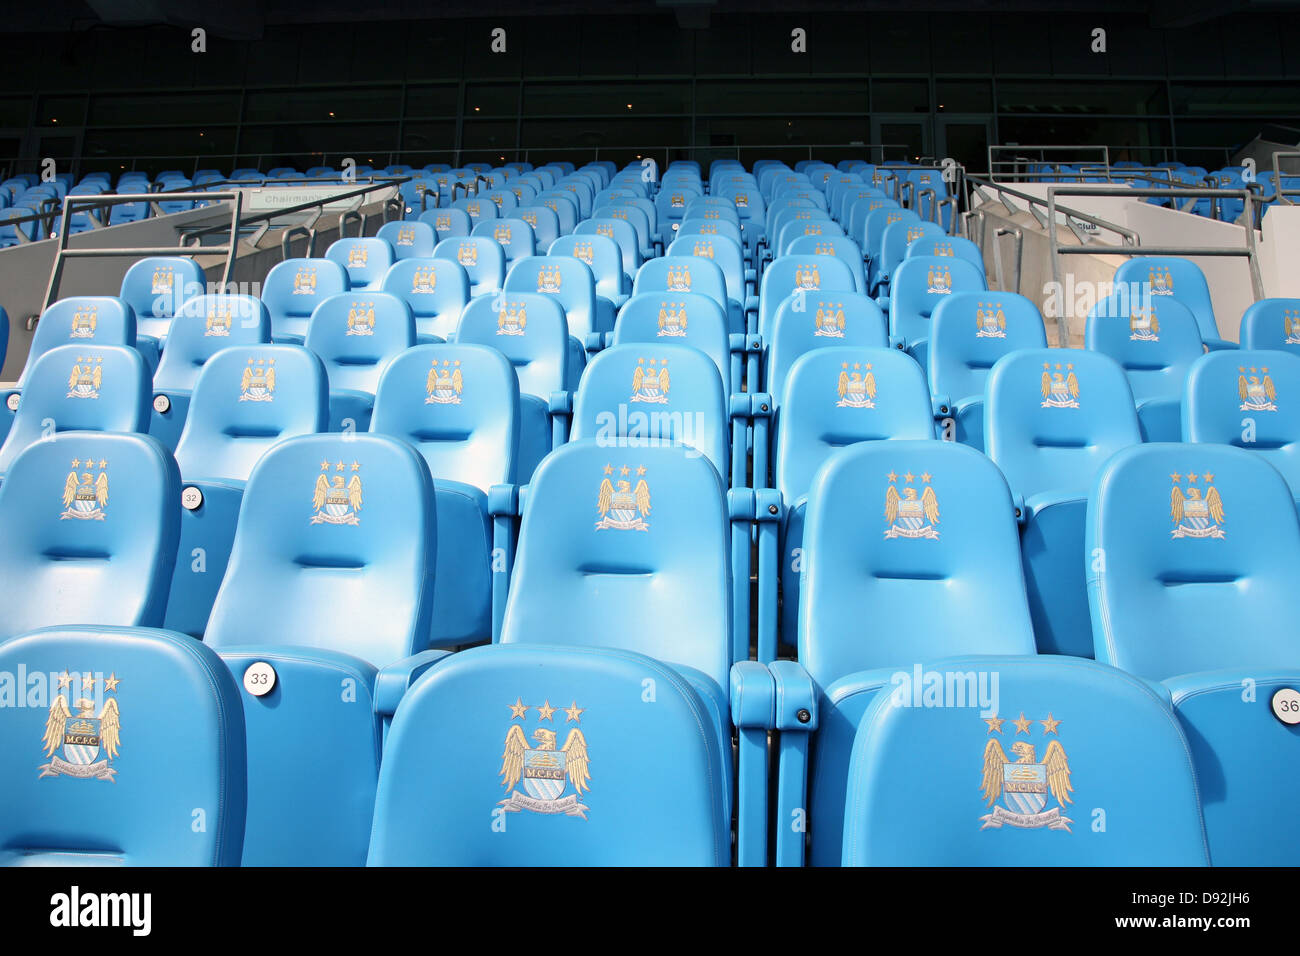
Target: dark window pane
1210, 99
900, 96
61, 111
963, 96
15, 110
491, 100
152, 109
781, 98
424, 101
1081, 97
606, 99
323, 105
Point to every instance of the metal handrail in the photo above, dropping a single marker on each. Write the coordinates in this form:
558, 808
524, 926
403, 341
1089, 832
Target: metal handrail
317, 204
978, 185
1019, 236
1250, 251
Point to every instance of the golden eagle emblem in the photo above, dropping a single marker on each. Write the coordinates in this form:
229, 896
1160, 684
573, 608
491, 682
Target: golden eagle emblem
650, 383
856, 388
258, 382
906, 515
87, 375
1257, 391
86, 496
1060, 389
444, 383
1026, 784
334, 503
1195, 516
620, 505
74, 743
545, 771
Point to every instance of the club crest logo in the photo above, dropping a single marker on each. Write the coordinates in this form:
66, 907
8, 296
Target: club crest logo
1026, 785
405, 236
893, 217
501, 234
707, 229
943, 249
712, 214
498, 200
677, 201
605, 229
1060, 388
424, 280
473, 209
813, 229
584, 251
334, 503
829, 322
444, 383
914, 233
1257, 391
87, 374
530, 218
939, 280
545, 772
219, 321
361, 318
1160, 282
703, 247
304, 281
258, 383
1195, 516
824, 249
358, 255
672, 319
164, 278
650, 384
907, 516
441, 223
86, 496
621, 507
512, 319
552, 206
807, 276
1291, 325
548, 279
84, 321
679, 279
742, 199
1143, 325
856, 388
73, 743
467, 254
990, 321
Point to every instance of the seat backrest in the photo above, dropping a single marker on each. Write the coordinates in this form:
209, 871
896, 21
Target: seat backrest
946, 245
1156, 341
601, 255
514, 236
247, 399
605, 528
70, 388
564, 205
294, 287
820, 275
54, 807
89, 523
724, 251
1194, 536
1272, 324
839, 396
858, 211
1053, 416
332, 527
1076, 716
482, 259
621, 232
366, 260
924, 534
410, 240
356, 334
1239, 397
568, 280
920, 284
86, 320
683, 273
544, 221
432, 787
806, 322
530, 330
970, 331
458, 405
156, 286
205, 325
686, 318
1182, 280
667, 394
437, 290
448, 223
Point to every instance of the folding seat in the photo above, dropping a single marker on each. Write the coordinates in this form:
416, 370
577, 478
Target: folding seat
1196, 592
804, 323
88, 530
622, 233
356, 336
531, 331
1272, 324
682, 273
1156, 341
701, 226
565, 206
325, 609
128, 212
203, 326
686, 318
483, 260
524, 192
16, 233
636, 217
839, 246
168, 206
365, 260
1051, 419
969, 332
918, 286
544, 222
570, 281
514, 236
433, 787
845, 200
293, 288
72, 388
1240, 398
458, 405
410, 240
671, 207
926, 782
1144, 277
934, 572
435, 289
154, 288
247, 399
895, 241
581, 190
448, 223
662, 540
155, 677
947, 246
789, 274
603, 257
872, 237
833, 397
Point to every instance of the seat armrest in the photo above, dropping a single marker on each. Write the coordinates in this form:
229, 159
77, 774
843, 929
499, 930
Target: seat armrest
396, 678
753, 696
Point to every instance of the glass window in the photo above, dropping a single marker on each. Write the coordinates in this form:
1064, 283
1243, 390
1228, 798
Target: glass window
606, 99
963, 96
483, 100
422, 101
61, 111
900, 96
1081, 97
152, 109
1231, 100
355, 104
781, 98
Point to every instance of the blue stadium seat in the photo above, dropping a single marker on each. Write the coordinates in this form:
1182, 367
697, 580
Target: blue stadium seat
918, 286
116, 721
842, 247
203, 326
410, 240
949, 785
1272, 324
686, 318
437, 290
598, 809
88, 530
726, 253
356, 336
822, 275
293, 288
449, 223
332, 528
1051, 419
155, 287
621, 232
1199, 542
514, 236
544, 223
945, 245
568, 280
603, 257
482, 259
1144, 277
808, 322
366, 261
458, 405
246, 400
969, 332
